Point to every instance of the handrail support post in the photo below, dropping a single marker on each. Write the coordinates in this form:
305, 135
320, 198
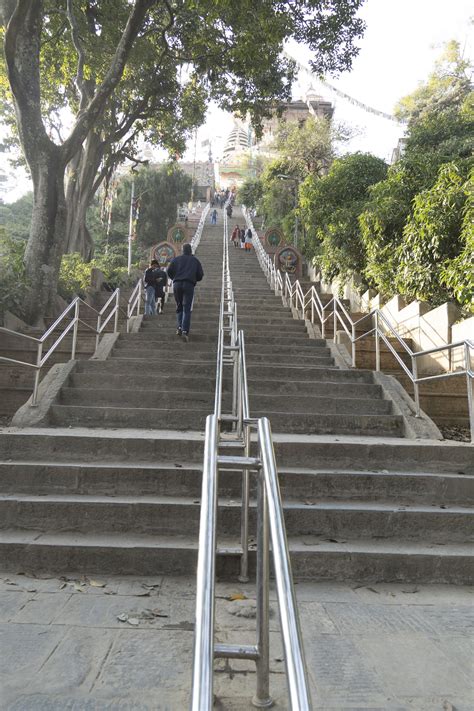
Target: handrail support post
377, 342
262, 698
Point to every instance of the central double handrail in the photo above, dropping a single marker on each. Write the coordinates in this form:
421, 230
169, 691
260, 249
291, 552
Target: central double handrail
308, 305
270, 526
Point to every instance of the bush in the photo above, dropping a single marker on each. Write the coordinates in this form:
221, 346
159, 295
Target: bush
12, 274
75, 274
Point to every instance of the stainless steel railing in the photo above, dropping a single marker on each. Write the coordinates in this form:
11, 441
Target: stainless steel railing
270, 526
71, 317
309, 305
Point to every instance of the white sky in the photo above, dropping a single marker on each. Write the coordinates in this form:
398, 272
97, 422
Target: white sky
398, 50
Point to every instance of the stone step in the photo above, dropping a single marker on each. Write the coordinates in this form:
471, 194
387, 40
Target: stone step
381, 425
289, 348
118, 478
166, 515
167, 349
154, 383
271, 358
358, 559
141, 399
135, 446
184, 365
312, 386
184, 418
317, 404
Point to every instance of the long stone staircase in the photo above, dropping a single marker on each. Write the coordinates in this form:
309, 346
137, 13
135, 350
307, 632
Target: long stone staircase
112, 483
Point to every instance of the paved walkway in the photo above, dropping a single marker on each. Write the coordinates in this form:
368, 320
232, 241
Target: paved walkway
90, 645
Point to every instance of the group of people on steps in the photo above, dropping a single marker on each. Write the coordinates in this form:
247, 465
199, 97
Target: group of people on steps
241, 237
185, 271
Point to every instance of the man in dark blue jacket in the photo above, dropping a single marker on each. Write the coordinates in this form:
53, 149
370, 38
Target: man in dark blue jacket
185, 271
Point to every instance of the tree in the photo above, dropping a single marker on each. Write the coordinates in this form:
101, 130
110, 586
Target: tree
434, 237
162, 188
212, 50
330, 207
440, 127
250, 193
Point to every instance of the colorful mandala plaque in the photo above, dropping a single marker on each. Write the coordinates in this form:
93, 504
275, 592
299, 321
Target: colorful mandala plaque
290, 261
163, 252
273, 239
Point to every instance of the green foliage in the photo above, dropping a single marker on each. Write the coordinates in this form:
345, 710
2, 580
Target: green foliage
330, 207
162, 189
16, 217
75, 274
12, 273
250, 193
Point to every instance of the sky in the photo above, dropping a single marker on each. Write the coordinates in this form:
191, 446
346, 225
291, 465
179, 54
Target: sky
402, 40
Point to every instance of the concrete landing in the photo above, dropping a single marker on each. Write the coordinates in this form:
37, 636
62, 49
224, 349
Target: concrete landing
120, 643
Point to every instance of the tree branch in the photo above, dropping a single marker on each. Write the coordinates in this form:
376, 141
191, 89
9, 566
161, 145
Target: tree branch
76, 40
86, 119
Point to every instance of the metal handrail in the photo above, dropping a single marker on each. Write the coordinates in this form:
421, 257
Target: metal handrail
73, 324
377, 317
270, 523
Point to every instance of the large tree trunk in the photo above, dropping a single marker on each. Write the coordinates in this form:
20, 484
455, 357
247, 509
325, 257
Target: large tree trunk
81, 186
47, 232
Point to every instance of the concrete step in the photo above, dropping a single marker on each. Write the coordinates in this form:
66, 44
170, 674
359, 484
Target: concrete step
166, 515
184, 418
154, 383
271, 358
313, 386
359, 560
318, 404
184, 365
165, 349
381, 425
124, 397
185, 479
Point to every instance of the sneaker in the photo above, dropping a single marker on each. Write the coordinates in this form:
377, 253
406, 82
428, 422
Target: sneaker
185, 336
179, 332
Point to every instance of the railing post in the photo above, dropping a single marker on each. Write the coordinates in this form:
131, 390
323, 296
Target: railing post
117, 302
97, 335
353, 345
262, 698
323, 321
470, 388
416, 387
74, 330
377, 342
244, 521
334, 320
140, 296
39, 354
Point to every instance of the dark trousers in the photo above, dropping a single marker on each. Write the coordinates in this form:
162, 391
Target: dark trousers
183, 294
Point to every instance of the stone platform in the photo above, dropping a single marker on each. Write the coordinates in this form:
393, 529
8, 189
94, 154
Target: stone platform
116, 643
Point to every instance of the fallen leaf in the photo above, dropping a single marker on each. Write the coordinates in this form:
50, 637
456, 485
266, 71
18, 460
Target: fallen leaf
133, 621
180, 466
123, 617
7, 581
97, 584
373, 590
79, 587
62, 586
110, 592
237, 596
144, 593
